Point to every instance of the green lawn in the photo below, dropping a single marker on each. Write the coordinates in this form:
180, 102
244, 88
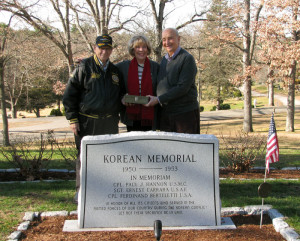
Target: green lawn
17, 198
57, 161
235, 103
284, 197
289, 153
263, 89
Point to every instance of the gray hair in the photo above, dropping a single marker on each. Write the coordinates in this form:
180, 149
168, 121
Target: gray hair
137, 40
173, 30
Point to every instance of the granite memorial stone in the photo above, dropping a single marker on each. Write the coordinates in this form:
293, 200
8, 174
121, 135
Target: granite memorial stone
133, 179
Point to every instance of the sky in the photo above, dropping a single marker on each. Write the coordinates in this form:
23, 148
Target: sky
180, 11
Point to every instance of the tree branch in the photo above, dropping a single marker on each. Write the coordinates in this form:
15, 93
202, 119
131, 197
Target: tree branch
253, 37
193, 19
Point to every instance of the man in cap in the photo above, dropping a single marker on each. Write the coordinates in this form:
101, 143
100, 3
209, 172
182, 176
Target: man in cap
92, 98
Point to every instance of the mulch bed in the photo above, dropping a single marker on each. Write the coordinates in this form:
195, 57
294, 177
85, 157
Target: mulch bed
260, 174
248, 228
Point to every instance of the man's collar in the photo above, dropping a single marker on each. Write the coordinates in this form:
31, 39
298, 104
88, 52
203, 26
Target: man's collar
99, 62
174, 55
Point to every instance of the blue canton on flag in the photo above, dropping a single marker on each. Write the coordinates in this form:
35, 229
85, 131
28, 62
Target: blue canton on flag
272, 145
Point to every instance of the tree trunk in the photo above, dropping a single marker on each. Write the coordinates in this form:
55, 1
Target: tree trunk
58, 104
13, 112
3, 106
271, 93
247, 124
37, 112
290, 117
199, 87
159, 18
103, 23
291, 100
270, 86
218, 97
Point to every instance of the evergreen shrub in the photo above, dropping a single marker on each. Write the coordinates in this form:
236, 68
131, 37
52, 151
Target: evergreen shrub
56, 112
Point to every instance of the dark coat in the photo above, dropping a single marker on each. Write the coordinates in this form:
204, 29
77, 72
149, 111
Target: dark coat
93, 92
176, 88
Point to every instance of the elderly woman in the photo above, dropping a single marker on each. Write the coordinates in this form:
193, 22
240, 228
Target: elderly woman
139, 76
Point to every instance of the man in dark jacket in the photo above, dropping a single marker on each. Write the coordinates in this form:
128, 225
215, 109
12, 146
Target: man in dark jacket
176, 89
92, 99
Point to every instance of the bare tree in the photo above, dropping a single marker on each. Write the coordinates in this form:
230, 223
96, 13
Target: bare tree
101, 14
4, 29
248, 51
25, 11
290, 118
15, 83
280, 37
159, 15
247, 28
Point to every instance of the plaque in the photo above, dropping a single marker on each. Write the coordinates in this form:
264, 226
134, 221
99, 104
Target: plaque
136, 99
264, 190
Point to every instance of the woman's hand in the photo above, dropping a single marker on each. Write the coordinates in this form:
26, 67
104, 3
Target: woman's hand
126, 104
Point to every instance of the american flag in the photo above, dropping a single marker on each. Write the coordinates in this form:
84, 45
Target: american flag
272, 145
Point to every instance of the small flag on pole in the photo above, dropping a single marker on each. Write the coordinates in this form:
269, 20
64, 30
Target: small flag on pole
272, 145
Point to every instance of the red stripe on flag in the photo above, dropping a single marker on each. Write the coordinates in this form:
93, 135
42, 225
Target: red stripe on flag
272, 154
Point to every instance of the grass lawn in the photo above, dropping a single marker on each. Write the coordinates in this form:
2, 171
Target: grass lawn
288, 141
235, 103
289, 154
263, 89
17, 198
284, 197
56, 162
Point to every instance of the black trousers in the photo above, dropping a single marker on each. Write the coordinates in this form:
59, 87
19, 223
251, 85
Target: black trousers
187, 122
138, 127
91, 127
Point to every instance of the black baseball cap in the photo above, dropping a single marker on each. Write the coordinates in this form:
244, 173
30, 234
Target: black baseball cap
104, 40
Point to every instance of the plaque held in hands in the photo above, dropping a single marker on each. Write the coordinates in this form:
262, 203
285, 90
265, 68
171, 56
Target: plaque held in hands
136, 99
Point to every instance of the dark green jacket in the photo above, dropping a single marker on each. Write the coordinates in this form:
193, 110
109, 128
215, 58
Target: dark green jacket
124, 67
93, 92
176, 87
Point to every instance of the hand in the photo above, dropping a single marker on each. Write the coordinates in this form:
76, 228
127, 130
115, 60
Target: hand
126, 104
75, 128
153, 101
78, 61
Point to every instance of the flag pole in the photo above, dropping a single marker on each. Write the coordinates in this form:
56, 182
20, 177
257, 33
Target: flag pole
262, 213
262, 202
271, 156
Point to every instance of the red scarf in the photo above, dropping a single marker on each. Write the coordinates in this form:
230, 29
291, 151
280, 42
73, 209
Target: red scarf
140, 112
